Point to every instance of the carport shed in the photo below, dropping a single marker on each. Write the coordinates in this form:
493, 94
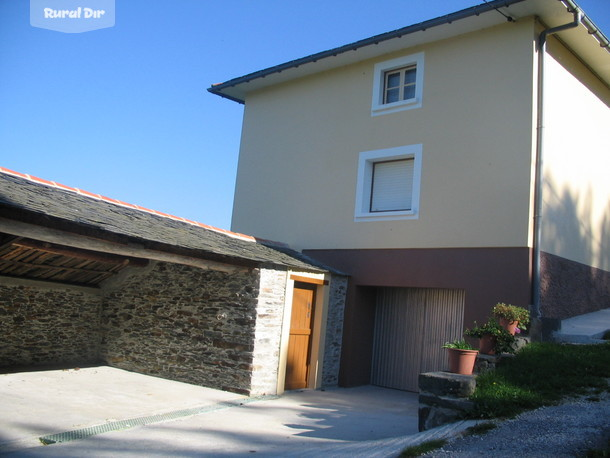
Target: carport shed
87, 279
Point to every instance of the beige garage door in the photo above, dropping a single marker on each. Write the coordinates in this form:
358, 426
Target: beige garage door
411, 325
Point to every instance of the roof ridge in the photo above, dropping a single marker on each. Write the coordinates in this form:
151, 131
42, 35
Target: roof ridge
110, 200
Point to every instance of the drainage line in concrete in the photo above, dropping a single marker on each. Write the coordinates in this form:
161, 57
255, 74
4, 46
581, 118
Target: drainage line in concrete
143, 421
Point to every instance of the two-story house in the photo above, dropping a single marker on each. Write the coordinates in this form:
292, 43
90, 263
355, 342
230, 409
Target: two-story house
446, 166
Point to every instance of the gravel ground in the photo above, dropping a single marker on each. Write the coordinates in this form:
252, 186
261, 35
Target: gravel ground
566, 430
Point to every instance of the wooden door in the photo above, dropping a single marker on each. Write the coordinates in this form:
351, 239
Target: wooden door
299, 345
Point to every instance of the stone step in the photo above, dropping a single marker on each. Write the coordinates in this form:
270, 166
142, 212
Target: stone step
447, 384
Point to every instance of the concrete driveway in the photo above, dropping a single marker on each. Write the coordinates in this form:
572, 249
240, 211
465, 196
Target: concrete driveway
103, 411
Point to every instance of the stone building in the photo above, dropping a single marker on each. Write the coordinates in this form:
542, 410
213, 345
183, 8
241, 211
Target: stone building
85, 279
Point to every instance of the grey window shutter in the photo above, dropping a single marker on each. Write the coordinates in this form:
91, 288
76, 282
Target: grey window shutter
392, 187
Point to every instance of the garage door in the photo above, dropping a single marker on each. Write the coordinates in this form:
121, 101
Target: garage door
411, 325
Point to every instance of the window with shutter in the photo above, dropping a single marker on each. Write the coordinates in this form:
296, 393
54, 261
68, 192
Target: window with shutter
392, 186
388, 184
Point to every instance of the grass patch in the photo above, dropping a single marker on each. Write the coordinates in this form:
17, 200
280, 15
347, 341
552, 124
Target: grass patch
541, 374
600, 453
481, 428
424, 447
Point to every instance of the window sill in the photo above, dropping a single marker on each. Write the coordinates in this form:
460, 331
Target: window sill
386, 216
395, 106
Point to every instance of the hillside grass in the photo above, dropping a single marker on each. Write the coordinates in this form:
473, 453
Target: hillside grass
542, 374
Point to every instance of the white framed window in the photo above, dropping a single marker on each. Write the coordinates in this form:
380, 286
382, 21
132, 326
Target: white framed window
398, 84
388, 184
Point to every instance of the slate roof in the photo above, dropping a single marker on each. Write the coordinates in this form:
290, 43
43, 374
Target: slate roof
50, 204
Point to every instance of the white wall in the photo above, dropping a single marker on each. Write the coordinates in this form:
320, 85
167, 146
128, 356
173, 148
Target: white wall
576, 213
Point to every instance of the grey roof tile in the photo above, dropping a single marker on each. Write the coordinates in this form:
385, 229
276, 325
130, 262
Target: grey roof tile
52, 204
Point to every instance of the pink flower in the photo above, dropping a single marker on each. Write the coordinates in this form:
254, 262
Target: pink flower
517, 331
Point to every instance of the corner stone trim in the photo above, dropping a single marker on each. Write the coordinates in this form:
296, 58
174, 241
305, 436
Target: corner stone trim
268, 332
334, 331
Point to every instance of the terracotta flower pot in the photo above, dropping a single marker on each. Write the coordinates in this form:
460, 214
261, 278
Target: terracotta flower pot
510, 326
487, 344
462, 361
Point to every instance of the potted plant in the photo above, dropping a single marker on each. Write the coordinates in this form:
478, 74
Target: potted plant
493, 338
510, 316
461, 356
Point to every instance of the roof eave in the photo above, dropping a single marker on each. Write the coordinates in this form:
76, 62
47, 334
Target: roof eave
237, 88
226, 89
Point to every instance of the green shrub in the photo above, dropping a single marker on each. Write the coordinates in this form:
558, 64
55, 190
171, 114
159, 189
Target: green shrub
512, 313
459, 344
503, 339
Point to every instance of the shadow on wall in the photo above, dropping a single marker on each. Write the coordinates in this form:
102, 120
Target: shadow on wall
575, 252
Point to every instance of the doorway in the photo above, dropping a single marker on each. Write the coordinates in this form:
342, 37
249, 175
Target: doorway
299, 344
411, 325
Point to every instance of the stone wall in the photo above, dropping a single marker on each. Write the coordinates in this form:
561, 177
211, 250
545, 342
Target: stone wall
185, 324
268, 335
334, 331
49, 325
216, 329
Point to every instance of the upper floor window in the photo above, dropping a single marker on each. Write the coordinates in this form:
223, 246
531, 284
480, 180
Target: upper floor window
398, 84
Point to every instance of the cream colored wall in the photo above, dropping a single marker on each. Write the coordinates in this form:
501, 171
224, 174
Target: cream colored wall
301, 141
576, 212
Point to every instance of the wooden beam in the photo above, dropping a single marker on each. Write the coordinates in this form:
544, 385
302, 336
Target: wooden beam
79, 253
315, 281
11, 242
90, 243
58, 268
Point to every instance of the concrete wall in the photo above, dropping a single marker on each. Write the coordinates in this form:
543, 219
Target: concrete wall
48, 324
301, 142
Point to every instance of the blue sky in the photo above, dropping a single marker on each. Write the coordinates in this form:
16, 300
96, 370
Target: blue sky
124, 111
